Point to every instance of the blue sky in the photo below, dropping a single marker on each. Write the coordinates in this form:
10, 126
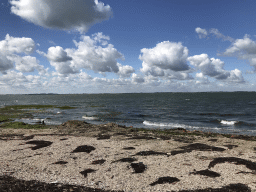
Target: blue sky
109, 46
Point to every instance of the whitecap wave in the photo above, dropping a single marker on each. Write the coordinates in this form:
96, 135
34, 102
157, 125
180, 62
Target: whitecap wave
225, 122
89, 118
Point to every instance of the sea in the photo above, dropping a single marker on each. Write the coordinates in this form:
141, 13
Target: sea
218, 112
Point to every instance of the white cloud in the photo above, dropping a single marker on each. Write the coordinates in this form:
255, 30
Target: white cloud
26, 63
64, 14
9, 47
125, 71
243, 49
5, 63
168, 60
214, 68
94, 54
17, 45
166, 55
137, 79
202, 33
57, 54
220, 35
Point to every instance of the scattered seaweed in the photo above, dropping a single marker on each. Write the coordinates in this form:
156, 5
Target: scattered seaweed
198, 147
84, 148
147, 153
162, 180
86, 171
61, 162
128, 148
206, 173
129, 160
238, 161
138, 167
230, 146
39, 144
100, 162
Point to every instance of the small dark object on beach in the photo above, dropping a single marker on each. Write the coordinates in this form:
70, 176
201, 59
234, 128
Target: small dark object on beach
230, 146
128, 148
39, 144
11, 184
206, 173
147, 153
61, 162
142, 137
101, 161
83, 148
86, 171
254, 148
238, 187
162, 180
101, 137
198, 147
138, 167
28, 137
213, 140
63, 139
249, 164
126, 160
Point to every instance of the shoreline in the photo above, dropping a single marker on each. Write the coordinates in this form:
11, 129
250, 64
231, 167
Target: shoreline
166, 160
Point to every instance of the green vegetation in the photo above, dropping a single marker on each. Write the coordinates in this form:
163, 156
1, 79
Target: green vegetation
66, 107
19, 107
21, 125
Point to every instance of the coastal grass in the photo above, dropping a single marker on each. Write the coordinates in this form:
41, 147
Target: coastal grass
21, 125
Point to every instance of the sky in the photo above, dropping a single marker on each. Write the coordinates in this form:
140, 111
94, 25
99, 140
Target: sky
127, 46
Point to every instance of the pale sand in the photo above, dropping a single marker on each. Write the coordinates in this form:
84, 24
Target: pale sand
29, 164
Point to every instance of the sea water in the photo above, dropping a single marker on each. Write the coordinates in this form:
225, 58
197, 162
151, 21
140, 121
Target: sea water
221, 112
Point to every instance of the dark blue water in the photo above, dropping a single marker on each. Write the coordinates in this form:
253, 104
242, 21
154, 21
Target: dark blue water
220, 112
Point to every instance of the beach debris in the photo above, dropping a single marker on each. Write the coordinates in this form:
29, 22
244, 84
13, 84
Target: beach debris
138, 167
238, 161
100, 161
101, 137
83, 148
126, 160
237, 187
230, 146
61, 162
39, 144
142, 137
128, 148
147, 153
162, 180
86, 171
206, 172
198, 147
213, 140
28, 137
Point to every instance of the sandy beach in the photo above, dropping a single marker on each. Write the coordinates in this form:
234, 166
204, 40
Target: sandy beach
77, 156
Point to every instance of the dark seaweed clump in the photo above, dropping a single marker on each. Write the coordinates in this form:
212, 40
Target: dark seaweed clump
39, 144
163, 180
84, 148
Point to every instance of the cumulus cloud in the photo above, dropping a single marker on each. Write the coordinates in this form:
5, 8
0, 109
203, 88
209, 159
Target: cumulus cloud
243, 49
137, 79
17, 45
214, 68
10, 47
5, 63
26, 64
166, 60
125, 71
96, 54
203, 33
64, 14
166, 55
57, 54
